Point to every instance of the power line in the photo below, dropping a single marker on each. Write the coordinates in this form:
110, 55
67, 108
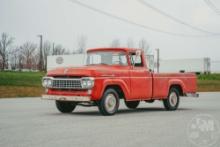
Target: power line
175, 19
134, 23
212, 6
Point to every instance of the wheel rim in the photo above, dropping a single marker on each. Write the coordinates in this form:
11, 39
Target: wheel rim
173, 99
110, 103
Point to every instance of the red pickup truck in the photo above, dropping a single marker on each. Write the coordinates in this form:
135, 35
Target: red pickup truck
111, 74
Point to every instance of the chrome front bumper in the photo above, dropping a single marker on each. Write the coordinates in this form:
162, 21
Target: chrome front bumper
66, 98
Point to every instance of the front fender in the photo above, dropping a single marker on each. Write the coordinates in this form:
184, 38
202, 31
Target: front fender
98, 89
102, 84
124, 85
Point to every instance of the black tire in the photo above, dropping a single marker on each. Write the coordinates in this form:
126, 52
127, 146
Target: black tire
65, 107
172, 101
132, 104
110, 97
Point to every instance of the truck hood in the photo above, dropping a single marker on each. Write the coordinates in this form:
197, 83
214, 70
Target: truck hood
85, 71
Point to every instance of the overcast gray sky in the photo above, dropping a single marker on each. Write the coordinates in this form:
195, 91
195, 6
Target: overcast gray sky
181, 29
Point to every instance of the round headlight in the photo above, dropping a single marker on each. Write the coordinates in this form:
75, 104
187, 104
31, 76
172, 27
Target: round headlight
44, 83
84, 83
87, 82
49, 83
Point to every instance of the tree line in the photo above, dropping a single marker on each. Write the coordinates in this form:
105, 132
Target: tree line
142, 44
28, 56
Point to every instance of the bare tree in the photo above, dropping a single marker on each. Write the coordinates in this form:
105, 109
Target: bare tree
14, 57
130, 43
28, 51
143, 44
0, 62
59, 50
5, 42
35, 60
115, 43
20, 61
81, 44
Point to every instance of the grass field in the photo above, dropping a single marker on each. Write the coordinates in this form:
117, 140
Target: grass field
209, 82
28, 84
20, 84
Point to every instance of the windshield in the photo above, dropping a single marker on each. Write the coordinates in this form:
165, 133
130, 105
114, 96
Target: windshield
106, 58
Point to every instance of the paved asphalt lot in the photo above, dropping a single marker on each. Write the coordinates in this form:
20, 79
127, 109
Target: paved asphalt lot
31, 122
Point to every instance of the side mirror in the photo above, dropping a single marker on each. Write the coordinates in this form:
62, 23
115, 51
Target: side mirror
138, 53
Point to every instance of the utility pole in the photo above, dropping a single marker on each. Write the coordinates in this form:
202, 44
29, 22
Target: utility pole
53, 48
40, 64
158, 60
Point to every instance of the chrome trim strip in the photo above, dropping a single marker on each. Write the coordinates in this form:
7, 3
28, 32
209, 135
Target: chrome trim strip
66, 79
66, 98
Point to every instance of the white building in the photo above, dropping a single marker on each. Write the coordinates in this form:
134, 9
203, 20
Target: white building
200, 65
73, 60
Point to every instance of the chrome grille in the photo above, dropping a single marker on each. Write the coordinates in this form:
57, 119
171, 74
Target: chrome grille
66, 83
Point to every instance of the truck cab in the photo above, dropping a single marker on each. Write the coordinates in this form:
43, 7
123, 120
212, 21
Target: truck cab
111, 74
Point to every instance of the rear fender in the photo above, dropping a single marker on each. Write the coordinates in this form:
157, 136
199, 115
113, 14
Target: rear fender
177, 82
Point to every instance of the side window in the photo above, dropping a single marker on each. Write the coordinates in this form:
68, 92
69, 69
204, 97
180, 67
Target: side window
136, 60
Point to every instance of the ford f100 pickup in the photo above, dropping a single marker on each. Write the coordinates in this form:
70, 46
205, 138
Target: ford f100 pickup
111, 74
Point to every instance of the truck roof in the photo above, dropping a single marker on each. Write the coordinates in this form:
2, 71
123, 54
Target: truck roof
113, 49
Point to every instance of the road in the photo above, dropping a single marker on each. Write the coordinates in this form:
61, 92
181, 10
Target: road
32, 122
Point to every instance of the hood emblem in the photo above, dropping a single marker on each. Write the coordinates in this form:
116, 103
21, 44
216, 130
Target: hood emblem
65, 70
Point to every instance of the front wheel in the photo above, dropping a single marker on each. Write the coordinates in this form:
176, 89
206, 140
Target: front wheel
132, 104
65, 107
109, 103
172, 102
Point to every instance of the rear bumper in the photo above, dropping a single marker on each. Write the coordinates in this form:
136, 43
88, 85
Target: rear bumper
66, 98
192, 94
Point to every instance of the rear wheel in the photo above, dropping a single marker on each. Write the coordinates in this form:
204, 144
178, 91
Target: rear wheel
132, 104
172, 102
109, 103
65, 107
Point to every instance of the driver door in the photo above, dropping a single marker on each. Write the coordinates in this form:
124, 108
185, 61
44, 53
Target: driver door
140, 77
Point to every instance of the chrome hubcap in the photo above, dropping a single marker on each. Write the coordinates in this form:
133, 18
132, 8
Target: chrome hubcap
110, 103
173, 99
